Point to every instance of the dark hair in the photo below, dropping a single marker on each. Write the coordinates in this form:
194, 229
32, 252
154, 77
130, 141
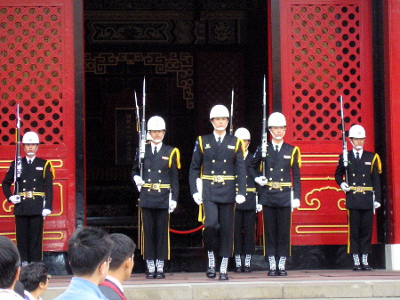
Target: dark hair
87, 249
123, 248
9, 262
33, 274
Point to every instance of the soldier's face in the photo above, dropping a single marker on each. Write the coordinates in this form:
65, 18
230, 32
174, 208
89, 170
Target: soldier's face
157, 135
31, 149
358, 143
278, 132
220, 123
246, 144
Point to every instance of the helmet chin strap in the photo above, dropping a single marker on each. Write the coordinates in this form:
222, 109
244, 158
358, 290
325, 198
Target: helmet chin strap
277, 137
358, 148
157, 141
219, 128
30, 153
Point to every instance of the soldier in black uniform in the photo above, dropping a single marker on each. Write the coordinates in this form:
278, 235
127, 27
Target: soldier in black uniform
34, 201
363, 195
217, 165
159, 190
279, 192
245, 214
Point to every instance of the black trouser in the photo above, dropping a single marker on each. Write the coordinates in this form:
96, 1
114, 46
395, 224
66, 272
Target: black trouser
218, 227
360, 230
245, 221
29, 233
277, 227
155, 227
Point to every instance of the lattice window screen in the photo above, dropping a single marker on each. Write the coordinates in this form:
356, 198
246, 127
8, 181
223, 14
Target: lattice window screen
325, 64
31, 71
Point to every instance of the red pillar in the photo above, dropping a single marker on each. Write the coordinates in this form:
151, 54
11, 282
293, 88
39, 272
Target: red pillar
392, 71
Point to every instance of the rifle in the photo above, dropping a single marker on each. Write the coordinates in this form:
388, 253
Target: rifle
139, 130
345, 153
18, 159
231, 119
142, 144
264, 144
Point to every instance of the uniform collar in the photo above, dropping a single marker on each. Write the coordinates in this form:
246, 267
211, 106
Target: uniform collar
115, 281
360, 152
216, 136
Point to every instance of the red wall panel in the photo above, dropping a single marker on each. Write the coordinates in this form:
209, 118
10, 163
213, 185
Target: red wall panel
36, 51
326, 52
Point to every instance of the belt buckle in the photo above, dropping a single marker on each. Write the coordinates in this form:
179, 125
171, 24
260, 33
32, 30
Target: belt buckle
218, 178
155, 186
359, 189
275, 185
29, 194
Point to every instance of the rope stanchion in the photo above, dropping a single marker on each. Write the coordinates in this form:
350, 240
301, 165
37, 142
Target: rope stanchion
186, 231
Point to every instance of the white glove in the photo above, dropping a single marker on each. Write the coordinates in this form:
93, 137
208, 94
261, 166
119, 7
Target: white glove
261, 180
376, 204
197, 198
172, 205
295, 203
259, 208
139, 181
46, 212
240, 199
15, 199
345, 187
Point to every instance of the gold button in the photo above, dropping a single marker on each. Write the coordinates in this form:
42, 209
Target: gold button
271, 169
212, 183
224, 160
224, 172
148, 170
213, 161
281, 170
159, 171
212, 172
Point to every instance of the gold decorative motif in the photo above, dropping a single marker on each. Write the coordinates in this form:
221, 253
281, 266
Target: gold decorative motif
313, 201
173, 62
298, 229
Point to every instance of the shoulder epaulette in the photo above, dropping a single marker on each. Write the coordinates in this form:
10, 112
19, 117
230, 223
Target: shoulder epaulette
200, 141
48, 162
178, 158
296, 150
378, 163
240, 143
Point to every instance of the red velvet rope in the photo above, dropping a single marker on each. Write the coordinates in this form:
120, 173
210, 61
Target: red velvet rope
186, 231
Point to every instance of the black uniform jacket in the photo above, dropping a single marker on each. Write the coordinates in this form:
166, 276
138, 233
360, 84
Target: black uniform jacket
161, 168
364, 173
209, 159
283, 167
250, 203
36, 177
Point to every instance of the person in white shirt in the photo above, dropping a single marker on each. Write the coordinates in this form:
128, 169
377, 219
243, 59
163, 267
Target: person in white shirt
120, 267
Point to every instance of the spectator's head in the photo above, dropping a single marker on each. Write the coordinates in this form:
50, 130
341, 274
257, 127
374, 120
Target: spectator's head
122, 256
89, 251
35, 278
9, 263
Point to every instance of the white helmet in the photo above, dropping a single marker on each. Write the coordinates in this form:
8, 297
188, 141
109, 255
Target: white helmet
30, 138
242, 133
357, 131
156, 123
219, 111
276, 119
